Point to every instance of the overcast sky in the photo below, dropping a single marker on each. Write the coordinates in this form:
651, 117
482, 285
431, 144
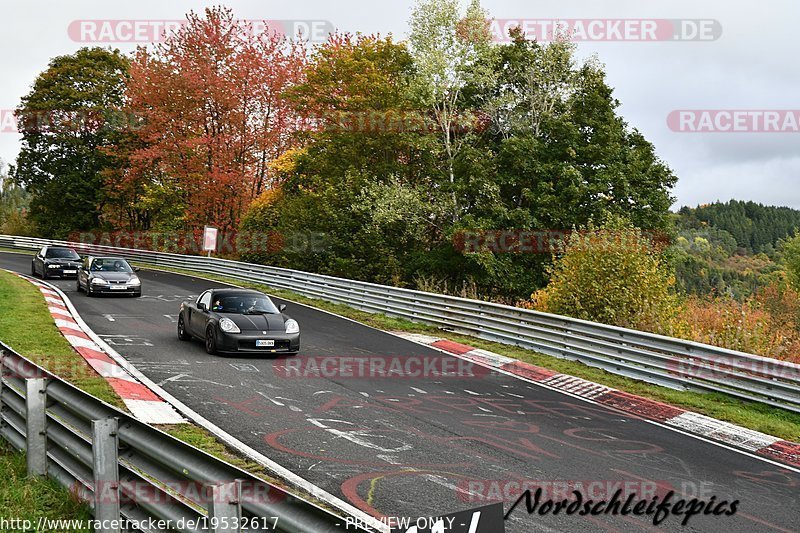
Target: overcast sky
752, 65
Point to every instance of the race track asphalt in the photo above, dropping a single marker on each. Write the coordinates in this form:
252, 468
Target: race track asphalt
414, 446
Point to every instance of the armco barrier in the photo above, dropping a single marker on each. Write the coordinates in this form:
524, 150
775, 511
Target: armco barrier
127, 470
649, 357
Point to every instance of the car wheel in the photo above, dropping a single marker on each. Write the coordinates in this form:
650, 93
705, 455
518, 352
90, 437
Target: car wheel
44, 273
33, 269
182, 334
78, 285
89, 290
211, 341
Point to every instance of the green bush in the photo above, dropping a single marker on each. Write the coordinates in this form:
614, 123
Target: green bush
612, 274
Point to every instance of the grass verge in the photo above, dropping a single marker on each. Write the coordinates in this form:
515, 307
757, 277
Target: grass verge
34, 499
30, 330
771, 420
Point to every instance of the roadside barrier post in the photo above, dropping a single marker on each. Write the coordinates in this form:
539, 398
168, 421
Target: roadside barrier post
105, 463
35, 426
2, 386
225, 509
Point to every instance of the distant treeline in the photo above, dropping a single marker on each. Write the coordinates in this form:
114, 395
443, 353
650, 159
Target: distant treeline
755, 227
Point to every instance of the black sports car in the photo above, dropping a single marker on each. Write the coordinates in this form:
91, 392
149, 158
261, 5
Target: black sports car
108, 275
55, 261
238, 320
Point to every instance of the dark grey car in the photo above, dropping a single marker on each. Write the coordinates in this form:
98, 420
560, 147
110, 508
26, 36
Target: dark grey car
108, 275
238, 320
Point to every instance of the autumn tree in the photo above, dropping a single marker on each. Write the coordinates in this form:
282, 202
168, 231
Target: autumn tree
366, 158
213, 115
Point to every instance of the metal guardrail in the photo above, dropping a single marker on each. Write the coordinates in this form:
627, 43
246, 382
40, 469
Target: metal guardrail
658, 359
127, 470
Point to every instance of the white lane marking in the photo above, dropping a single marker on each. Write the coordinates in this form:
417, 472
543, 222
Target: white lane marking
358, 436
126, 340
276, 402
418, 390
171, 318
391, 459
191, 379
471, 392
110, 317
244, 367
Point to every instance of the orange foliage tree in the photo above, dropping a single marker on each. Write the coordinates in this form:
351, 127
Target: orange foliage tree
211, 116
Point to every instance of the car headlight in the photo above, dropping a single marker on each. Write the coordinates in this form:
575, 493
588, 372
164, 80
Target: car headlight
292, 326
135, 282
228, 326
99, 281
53, 266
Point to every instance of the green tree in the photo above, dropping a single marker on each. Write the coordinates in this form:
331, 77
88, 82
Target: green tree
564, 154
450, 54
791, 258
66, 120
612, 274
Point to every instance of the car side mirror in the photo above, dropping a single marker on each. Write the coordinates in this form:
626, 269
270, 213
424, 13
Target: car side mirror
136, 269
281, 307
202, 307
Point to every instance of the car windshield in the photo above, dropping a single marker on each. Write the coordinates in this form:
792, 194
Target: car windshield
110, 265
62, 253
244, 304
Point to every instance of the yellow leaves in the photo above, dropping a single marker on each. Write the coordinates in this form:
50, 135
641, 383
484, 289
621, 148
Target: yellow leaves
286, 163
266, 199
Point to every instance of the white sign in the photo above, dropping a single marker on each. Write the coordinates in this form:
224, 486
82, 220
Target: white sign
209, 239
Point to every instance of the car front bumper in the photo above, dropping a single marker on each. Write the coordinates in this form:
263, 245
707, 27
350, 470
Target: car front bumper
105, 289
245, 342
69, 272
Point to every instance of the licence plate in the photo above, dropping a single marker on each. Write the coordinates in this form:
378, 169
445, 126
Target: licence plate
264, 344
118, 287
70, 271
